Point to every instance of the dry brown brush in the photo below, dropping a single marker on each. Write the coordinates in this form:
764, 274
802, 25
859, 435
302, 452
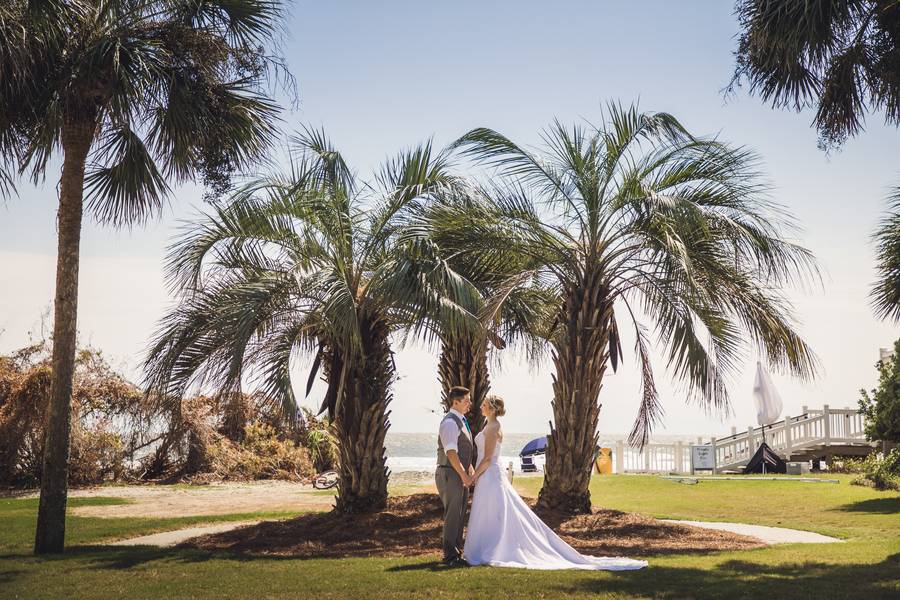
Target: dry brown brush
120, 434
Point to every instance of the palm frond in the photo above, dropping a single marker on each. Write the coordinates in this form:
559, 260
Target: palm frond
833, 55
129, 188
885, 293
650, 411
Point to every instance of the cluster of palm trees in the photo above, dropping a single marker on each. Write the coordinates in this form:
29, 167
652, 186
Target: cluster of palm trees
634, 229
625, 230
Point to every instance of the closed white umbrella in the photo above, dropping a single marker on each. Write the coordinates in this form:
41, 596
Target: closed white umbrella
768, 402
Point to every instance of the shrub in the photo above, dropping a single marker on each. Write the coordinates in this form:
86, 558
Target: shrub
880, 471
847, 465
881, 406
316, 435
22, 423
97, 455
109, 417
118, 433
261, 455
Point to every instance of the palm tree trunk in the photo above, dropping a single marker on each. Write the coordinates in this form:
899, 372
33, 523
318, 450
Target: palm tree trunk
463, 362
361, 423
77, 136
580, 356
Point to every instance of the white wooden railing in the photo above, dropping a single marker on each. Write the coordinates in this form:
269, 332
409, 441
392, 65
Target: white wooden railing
793, 436
654, 458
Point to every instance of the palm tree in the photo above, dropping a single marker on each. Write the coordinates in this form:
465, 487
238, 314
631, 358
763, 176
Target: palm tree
840, 57
514, 307
310, 262
132, 92
513, 311
885, 293
638, 222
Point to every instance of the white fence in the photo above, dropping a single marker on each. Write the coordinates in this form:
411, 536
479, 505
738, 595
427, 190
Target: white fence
654, 458
812, 430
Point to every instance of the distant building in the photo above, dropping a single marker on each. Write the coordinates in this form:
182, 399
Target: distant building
885, 353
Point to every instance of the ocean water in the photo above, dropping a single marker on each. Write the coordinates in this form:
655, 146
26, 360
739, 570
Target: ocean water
408, 452
417, 452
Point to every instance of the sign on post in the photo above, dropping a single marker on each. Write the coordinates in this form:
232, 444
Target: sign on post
703, 458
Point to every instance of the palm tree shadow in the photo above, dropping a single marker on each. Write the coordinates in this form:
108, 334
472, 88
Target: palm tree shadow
8, 576
435, 566
884, 506
743, 579
111, 557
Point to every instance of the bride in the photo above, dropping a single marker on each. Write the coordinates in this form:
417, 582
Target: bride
503, 531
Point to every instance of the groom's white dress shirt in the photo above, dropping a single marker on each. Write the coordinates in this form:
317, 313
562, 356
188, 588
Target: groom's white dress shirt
449, 431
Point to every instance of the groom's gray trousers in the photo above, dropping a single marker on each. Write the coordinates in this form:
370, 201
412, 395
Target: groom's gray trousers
454, 495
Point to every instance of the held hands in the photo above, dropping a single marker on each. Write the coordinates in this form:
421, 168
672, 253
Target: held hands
469, 476
473, 476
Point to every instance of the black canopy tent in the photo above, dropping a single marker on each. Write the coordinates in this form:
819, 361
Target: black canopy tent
765, 461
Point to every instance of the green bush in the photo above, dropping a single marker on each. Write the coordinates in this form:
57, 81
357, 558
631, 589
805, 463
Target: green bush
880, 471
850, 466
881, 406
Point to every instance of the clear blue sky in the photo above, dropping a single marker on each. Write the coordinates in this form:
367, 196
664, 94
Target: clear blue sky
380, 76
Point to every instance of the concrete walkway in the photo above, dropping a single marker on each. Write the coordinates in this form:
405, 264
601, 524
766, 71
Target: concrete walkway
173, 538
770, 535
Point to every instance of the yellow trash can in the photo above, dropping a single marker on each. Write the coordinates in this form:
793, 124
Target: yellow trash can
604, 462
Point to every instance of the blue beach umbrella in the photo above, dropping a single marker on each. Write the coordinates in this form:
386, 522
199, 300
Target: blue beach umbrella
535, 446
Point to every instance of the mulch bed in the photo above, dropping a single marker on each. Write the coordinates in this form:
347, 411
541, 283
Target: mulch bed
411, 526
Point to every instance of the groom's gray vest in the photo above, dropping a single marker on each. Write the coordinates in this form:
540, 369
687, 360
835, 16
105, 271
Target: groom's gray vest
465, 448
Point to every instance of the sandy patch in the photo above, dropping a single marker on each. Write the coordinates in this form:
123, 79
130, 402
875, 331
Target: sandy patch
213, 499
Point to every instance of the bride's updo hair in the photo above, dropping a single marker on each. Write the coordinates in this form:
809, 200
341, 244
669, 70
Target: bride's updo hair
496, 404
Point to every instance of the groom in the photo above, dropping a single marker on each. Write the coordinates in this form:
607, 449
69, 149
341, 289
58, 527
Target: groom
455, 456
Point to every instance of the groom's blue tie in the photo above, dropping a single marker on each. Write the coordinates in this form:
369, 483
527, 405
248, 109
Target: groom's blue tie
466, 423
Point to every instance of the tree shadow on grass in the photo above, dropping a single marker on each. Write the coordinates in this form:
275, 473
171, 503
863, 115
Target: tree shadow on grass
8, 576
884, 506
435, 566
743, 579
116, 557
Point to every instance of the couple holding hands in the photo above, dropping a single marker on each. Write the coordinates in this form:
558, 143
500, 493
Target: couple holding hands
502, 530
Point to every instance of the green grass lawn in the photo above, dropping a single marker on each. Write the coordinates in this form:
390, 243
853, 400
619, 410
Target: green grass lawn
866, 565
18, 517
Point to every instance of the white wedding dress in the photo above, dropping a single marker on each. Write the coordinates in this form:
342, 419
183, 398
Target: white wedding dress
504, 532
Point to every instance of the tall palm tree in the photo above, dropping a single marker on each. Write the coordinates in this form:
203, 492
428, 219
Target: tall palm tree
312, 262
843, 58
885, 293
638, 222
132, 92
